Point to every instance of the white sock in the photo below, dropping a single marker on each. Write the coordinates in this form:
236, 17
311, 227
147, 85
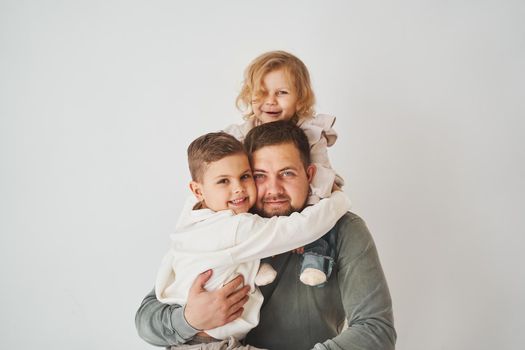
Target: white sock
265, 275
312, 277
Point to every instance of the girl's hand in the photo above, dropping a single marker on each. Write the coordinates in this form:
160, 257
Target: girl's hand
298, 250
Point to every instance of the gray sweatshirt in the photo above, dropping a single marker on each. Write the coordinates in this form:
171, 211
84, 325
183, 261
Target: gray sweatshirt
296, 316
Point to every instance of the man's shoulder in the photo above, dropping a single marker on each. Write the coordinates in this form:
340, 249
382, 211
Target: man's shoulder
350, 220
352, 233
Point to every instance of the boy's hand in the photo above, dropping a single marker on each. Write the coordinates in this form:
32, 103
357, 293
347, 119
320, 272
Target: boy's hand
206, 310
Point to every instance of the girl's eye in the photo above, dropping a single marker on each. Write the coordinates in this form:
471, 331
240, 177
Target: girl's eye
246, 176
282, 92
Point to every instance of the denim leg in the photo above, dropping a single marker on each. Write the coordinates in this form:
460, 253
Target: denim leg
320, 254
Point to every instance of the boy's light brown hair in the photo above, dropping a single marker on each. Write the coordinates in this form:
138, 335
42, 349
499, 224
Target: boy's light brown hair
210, 148
297, 74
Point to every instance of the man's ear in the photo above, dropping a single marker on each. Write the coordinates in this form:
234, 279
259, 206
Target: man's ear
310, 172
196, 189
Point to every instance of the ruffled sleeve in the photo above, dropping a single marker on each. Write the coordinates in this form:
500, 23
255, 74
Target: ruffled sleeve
319, 126
321, 135
239, 131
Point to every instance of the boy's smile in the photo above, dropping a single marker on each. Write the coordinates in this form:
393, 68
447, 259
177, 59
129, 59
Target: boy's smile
227, 184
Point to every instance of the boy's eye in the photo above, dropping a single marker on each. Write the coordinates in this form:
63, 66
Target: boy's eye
223, 181
246, 176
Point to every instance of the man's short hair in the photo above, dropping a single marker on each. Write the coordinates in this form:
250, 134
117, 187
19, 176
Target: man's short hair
210, 148
277, 133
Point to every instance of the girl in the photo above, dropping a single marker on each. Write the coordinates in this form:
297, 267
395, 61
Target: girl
277, 86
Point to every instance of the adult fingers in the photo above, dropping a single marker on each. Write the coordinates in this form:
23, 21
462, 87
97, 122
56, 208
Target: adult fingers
232, 286
238, 305
238, 296
235, 315
200, 281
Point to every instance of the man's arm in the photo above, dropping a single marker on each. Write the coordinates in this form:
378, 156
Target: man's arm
164, 325
364, 291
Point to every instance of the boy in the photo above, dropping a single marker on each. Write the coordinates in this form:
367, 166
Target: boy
220, 234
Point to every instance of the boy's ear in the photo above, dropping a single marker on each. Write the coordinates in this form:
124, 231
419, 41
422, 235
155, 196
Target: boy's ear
310, 172
196, 189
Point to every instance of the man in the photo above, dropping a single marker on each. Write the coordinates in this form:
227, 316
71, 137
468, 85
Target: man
293, 316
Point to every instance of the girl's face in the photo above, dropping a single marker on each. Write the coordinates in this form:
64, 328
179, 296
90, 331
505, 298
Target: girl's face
277, 101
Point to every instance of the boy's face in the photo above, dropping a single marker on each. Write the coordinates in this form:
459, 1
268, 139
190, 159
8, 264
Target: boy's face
227, 184
278, 101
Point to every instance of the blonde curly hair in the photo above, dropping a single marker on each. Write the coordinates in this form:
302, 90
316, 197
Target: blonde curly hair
296, 72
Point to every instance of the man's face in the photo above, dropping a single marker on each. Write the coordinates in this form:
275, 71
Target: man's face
281, 179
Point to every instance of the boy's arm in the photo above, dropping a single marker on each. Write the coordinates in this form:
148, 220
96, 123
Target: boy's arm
258, 237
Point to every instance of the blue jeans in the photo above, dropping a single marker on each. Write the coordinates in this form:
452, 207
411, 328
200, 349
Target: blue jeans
320, 254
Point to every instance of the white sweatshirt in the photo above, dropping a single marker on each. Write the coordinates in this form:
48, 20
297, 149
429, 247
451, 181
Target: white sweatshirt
233, 244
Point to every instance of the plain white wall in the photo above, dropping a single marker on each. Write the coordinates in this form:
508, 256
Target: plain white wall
99, 100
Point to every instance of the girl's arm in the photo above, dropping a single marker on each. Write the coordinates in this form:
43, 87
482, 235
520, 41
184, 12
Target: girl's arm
321, 135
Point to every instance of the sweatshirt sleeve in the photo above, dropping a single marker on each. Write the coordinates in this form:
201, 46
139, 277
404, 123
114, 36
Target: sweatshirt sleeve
162, 324
258, 237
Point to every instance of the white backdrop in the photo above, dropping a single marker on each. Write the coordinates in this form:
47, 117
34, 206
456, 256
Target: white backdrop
99, 100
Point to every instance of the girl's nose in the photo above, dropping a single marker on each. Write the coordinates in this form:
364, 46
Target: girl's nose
270, 99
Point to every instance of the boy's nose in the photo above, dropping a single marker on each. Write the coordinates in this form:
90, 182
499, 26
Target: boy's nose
238, 188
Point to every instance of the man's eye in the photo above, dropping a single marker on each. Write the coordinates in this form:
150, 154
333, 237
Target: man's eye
258, 176
288, 173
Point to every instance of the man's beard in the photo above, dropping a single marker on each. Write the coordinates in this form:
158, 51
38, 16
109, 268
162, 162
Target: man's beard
275, 212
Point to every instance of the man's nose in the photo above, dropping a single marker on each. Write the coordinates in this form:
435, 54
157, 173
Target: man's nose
274, 186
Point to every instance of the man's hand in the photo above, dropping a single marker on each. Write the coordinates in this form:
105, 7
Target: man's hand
206, 310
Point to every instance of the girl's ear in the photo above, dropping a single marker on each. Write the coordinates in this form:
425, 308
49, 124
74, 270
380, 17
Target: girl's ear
196, 189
